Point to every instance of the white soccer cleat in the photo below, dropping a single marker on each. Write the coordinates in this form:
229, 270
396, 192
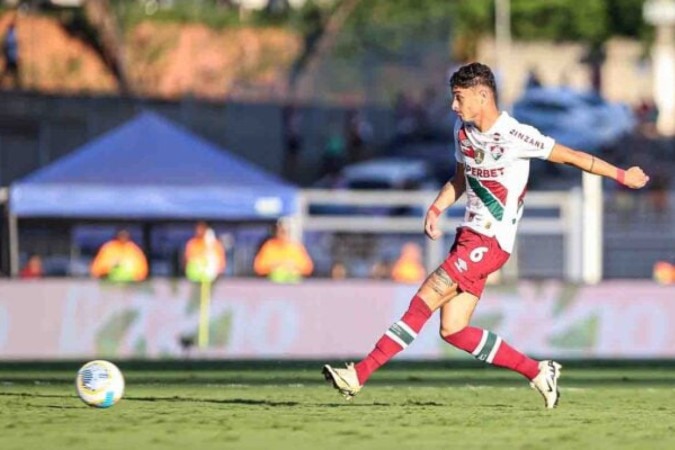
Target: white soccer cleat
546, 382
344, 380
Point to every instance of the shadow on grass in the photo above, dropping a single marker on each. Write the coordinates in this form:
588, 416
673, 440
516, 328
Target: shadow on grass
57, 407
31, 395
230, 401
257, 402
34, 395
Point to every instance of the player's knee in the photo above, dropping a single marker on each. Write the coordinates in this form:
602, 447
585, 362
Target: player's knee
450, 328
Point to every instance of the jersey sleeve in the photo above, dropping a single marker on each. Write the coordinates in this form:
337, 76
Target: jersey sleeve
459, 157
532, 143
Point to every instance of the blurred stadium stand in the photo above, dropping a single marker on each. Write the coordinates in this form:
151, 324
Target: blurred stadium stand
35, 130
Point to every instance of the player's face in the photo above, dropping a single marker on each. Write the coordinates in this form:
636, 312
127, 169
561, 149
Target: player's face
468, 102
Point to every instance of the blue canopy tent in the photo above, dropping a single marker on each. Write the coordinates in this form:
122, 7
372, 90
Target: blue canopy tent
151, 169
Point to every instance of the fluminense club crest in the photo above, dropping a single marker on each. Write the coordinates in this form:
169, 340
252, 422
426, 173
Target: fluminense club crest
497, 151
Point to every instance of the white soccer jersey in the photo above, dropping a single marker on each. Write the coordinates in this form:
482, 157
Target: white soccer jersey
497, 166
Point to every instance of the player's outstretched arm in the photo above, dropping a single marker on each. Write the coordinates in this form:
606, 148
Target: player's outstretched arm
634, 177
450, 193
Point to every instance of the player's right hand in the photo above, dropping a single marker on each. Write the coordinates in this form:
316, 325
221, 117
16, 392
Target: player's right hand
431, 228
635, 178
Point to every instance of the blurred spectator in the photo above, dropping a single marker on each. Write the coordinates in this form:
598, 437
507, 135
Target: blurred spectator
281, 259
10, 52
409, 267
338, 271
404, 118
334, 152
658, 191
664, 272
380, 270
432, 114
425, 119
204, 255
120, 260
647, 114
290, 125
646, 110
625, 203
532, 80
359, 133
33, 268
594, 59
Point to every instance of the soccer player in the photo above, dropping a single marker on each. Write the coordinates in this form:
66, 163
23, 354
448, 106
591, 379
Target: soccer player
492, 150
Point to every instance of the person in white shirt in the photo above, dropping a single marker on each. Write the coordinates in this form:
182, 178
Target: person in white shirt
493, 152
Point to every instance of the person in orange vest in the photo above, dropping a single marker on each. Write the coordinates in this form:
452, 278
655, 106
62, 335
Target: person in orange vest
409, 268
120, 260
282, 259
664, 272
204, 255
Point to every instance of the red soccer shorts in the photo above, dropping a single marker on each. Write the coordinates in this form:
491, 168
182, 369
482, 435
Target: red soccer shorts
472, 258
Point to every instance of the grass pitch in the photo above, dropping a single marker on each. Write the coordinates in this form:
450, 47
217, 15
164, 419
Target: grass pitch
289, 406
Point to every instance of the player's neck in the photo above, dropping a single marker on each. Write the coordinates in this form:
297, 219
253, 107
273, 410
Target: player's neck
487, 119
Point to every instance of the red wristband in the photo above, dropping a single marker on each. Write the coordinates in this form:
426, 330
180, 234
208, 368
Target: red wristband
434, 209
621, 176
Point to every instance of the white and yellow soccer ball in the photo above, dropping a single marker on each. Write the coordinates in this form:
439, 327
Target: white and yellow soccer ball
99, 384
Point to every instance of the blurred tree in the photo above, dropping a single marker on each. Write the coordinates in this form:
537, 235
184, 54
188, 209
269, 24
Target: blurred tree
472, 19
625, 18
277, 7
589, 21
110, 45
584, 20
387, 27
319, 41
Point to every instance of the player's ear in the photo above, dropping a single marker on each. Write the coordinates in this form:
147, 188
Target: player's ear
484, 96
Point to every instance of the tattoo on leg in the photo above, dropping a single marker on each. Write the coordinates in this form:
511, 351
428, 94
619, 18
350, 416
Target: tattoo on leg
440, 281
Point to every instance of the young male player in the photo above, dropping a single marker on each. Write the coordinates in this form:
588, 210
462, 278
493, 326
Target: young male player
492, 152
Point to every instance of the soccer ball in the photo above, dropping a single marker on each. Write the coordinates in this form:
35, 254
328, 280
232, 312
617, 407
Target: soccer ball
99, 384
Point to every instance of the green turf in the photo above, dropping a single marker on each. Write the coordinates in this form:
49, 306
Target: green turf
279, 406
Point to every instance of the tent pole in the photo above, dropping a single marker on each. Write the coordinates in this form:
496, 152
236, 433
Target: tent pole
4, 239
147, 244
13, 229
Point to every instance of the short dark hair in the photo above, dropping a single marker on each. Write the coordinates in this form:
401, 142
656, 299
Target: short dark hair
474, 74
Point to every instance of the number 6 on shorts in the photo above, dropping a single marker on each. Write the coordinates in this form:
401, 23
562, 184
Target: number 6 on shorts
477, 254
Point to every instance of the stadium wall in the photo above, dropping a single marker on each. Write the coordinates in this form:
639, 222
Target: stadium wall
70, 319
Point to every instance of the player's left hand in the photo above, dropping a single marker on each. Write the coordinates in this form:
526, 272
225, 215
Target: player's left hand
635, 178
431, 228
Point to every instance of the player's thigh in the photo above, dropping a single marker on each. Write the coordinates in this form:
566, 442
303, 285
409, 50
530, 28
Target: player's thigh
457, 313
437, 289
472, 258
